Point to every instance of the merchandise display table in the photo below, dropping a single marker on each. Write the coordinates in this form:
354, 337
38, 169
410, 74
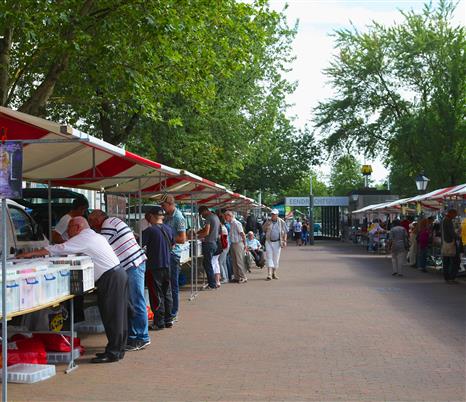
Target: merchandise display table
53, 303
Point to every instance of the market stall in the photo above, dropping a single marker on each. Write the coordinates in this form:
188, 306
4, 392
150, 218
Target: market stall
59, 155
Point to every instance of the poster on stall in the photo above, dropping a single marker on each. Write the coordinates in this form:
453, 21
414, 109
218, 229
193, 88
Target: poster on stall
11, 169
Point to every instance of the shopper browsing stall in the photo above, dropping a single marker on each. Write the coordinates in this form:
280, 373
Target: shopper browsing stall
398, 244
60, 232
158, 240
133, 260
209, 235
110, 279
450, 248
175, 219
238, 245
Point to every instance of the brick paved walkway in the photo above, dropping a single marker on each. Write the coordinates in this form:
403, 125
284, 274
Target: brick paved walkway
336, 326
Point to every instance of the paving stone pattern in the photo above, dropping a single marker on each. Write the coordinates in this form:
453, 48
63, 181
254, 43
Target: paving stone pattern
335, 327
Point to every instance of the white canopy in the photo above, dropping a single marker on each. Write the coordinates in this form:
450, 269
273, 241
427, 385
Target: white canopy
63, 156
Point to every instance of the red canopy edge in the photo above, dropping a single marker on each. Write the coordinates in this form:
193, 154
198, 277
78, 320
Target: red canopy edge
65, 156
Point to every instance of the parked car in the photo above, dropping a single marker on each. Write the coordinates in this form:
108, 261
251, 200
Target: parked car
36, 201
24, 234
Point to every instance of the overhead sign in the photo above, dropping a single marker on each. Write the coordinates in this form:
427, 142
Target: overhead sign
297, 201
318, 201
331, 201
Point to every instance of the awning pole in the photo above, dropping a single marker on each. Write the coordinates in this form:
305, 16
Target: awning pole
93, 162
140, 211
4, 317
192, 252
49, 207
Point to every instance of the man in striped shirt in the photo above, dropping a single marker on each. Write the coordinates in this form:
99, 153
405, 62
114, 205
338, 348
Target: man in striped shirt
133, 260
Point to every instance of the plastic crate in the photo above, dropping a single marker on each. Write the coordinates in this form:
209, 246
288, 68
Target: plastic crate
63, 278
12, 293
82, 279
87, 328
30, 373
49, 290
196, 250
81, 272
30, 290
62, 357
92, 315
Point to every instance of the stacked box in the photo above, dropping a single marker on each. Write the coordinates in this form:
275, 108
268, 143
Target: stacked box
81, 272
184, 257
197, 246
12, 292
25, 373
49, 289
62, 357
93, 321
29, 290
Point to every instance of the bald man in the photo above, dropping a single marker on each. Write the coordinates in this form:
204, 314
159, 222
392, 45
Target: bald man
111, 281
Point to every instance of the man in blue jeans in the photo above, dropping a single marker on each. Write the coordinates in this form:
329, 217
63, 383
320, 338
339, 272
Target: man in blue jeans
209, 235
133, 260
175, 219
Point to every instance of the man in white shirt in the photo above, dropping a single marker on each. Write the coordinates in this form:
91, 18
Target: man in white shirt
133, 260
111, 281
60, 232
275, 238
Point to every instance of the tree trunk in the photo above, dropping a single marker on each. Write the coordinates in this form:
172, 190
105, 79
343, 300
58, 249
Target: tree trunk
105, 123
35, 105
5, 47
111, 131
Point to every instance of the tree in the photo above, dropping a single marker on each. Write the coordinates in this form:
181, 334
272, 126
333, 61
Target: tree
401, 97
346, 175
194, 85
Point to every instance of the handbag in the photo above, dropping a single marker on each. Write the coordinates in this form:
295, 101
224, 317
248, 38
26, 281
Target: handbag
448, 249
219, 249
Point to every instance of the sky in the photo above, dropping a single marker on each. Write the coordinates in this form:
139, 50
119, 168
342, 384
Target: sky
313, 46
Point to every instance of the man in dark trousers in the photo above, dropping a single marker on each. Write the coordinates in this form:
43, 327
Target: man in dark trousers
209, 235
111, 281
450, 249
158, 240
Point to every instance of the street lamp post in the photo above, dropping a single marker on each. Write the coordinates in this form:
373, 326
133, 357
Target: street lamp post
311, 215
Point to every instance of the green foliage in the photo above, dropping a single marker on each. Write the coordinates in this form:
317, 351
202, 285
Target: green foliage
196, 85
401, 96
346, 175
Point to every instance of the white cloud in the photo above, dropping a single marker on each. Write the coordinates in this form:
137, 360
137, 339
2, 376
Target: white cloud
313, 45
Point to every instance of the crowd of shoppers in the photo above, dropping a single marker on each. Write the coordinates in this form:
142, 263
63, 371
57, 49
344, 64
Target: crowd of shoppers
416, 242
123, 267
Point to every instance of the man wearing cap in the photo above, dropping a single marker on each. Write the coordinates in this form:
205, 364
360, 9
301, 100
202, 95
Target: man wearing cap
175, 219
209, 234
275, 238
158, 240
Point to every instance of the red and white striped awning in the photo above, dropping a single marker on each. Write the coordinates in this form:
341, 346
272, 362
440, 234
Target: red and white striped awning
458, 191
435, 199
63, 156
